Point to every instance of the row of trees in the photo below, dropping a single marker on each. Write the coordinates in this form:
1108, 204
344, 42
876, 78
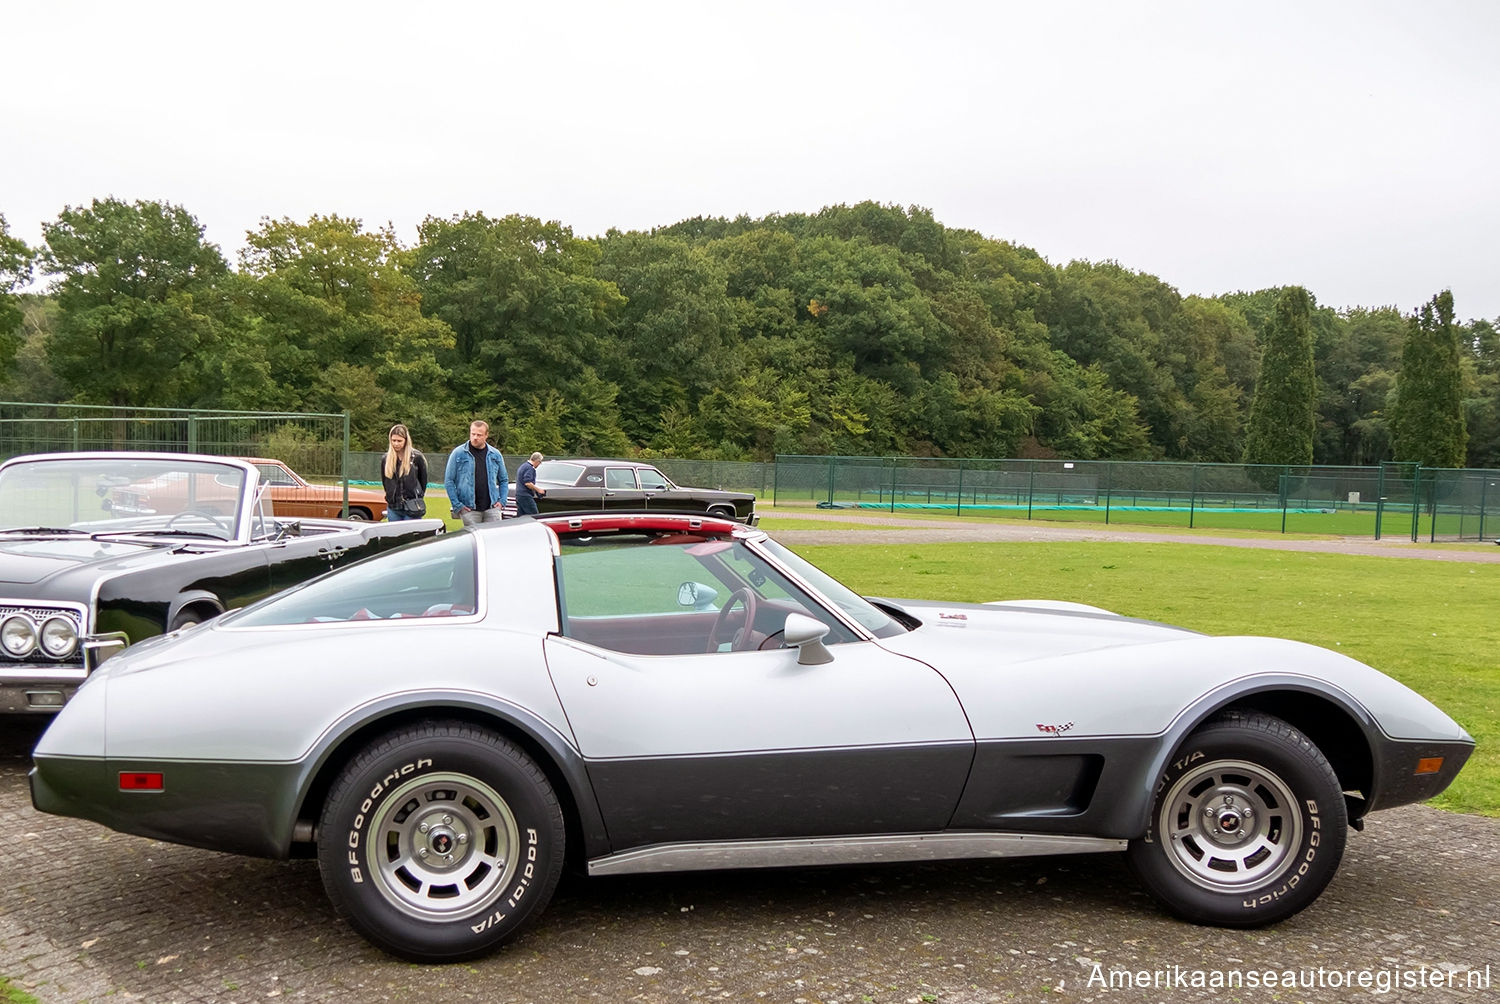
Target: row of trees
862, 329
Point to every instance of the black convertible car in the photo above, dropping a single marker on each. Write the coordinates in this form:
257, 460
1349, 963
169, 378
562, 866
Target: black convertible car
585, 484
100, 550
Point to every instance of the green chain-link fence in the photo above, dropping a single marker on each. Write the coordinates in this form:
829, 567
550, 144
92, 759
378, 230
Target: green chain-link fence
1392, 500
314, 445
1435, 504
1344, 501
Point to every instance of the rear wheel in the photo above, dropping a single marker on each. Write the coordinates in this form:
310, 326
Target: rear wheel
440, 841
359, 514
1248, 825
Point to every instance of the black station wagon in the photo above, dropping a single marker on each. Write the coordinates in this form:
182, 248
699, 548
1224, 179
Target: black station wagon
588, 484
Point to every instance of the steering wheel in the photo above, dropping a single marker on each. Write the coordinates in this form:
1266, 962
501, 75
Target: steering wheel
742, 638
198, 514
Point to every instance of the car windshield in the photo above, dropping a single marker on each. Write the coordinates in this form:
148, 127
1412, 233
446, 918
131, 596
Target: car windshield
876, 621
123, 494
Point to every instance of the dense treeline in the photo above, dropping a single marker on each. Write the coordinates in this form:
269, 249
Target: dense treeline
864, 329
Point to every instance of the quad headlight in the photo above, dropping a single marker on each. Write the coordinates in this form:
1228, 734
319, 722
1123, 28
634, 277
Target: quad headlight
59, 637
18, 635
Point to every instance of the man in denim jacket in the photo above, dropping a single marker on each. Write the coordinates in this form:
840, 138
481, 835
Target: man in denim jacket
477, 492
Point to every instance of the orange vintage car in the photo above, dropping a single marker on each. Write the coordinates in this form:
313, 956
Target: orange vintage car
293, 496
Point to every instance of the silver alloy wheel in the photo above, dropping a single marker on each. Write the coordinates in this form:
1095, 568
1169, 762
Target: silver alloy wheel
1229, 825
443, 847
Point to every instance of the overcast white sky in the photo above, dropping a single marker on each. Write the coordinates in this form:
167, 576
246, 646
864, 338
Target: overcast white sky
1350, 147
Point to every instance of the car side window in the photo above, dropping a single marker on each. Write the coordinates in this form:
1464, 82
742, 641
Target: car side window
667, 595
619, 477
437, 579
652, 480
272, 474
562, 473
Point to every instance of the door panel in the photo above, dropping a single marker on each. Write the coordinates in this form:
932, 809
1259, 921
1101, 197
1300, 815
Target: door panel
752, 744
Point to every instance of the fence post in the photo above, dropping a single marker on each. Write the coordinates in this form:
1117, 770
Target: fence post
830, 482
344, 465
1484, 484
1416, 502
1192, 495
959, 511
1109, 486
1030, 489
1379, 499
893, 487
1432, 513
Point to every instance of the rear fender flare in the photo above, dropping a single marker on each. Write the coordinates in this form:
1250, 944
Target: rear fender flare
333, 748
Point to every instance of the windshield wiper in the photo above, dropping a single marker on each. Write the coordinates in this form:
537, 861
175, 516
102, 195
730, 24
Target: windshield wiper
65, 530
157, 533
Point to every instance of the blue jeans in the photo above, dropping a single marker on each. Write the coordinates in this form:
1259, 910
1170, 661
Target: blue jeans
396, 515
525, 505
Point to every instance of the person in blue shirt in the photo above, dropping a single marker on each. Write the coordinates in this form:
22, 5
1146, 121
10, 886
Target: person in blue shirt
475, 478
527, 490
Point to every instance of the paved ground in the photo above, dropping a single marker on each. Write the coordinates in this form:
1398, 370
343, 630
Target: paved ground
89, 915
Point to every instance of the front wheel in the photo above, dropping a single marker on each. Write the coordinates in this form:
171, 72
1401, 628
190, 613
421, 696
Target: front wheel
1247, 827
440, 841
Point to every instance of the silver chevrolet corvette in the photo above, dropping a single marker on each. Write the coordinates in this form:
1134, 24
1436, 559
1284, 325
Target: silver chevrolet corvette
447, 724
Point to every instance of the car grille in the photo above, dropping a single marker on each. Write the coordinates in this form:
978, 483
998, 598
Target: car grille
39, 612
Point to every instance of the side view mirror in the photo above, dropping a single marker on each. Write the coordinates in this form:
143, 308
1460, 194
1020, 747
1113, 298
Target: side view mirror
806, 635
292, 528
697, 595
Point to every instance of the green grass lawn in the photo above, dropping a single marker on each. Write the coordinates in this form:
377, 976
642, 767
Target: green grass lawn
1429, 624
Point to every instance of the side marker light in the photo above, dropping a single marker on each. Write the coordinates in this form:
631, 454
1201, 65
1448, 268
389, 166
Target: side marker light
141, 781
1429, 765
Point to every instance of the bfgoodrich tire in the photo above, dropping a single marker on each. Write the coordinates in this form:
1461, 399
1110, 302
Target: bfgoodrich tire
440, 841
1247, 827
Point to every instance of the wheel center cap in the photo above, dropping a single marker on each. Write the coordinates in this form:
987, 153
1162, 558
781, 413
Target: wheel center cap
441, 840
1229, 822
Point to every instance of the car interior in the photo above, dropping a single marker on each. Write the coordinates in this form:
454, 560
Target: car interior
669, 593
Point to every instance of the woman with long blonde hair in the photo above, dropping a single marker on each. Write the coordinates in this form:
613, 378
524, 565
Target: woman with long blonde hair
404, 474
